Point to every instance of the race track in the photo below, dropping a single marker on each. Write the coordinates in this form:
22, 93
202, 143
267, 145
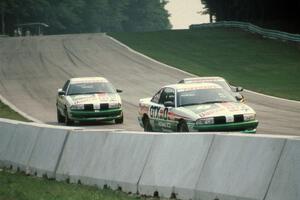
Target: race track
33, 68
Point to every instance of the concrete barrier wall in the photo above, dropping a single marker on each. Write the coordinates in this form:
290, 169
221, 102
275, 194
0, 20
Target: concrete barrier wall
79, 152
239, 167
286, 182
7, 129
47, 151
19, 150
121, 161
174, 165
191, 166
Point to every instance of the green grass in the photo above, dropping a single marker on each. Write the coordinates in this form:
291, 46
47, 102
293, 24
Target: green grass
6, 112
259, 64
16, 186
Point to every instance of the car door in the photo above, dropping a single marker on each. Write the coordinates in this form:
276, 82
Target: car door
154, 110
159, 112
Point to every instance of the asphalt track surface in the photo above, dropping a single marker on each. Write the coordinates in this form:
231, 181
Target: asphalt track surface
33, 68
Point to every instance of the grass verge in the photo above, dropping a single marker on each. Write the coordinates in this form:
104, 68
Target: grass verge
263, 65
16, 186
7, 112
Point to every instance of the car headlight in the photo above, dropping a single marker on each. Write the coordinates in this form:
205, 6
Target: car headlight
77, 107
204, 121
249, 117
115, 105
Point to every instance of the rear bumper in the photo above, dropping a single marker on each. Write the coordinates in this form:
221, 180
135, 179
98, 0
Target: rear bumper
246, 127
95, 115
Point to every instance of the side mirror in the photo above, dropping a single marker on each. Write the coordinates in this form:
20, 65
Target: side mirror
60, 92
239, 89
119, 91
240, 98
169, 104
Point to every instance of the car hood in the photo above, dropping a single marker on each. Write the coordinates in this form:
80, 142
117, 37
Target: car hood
94, 98
219, 109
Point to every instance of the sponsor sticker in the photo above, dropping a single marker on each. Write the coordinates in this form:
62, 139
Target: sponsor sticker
84, 99
164, 125
211, 112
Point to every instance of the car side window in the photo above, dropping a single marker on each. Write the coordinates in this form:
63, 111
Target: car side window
65, 87
156, 97
168, 94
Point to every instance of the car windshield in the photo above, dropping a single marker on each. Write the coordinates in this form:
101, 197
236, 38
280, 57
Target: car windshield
90, 88
203, 96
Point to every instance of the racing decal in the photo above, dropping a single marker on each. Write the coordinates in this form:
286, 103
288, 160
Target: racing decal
96, 98
166, 125
159, 112
222, 109
83, 99
211, 112
236, 108
106, 97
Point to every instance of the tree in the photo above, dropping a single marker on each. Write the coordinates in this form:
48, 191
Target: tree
146, 15
276, 14
77, 16
2, 10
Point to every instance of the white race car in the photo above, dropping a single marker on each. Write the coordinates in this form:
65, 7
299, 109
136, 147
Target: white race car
88, 99
195, 107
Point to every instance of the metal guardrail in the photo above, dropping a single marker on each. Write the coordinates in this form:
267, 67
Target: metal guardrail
268, 33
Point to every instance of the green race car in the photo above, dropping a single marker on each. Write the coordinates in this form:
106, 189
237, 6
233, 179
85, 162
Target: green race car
195, 107
88, 99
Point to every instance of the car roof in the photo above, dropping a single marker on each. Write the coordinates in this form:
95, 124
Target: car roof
193, 86
203, 79
88, 80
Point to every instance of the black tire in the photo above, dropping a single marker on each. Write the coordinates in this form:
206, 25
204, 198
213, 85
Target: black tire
68, 121
182, 127
147, 125
120, 120
60, 118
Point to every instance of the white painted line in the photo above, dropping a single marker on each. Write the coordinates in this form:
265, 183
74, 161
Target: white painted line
147, 57
269, 96
13, 107
190, 74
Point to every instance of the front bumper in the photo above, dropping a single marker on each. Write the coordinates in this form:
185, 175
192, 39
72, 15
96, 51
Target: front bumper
95, 115
246, 127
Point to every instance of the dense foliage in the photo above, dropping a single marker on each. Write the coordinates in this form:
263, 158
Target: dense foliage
76, 16
277, 14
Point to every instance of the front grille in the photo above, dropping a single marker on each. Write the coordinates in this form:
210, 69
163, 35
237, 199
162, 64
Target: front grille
220, 120
104, 106
238, 118
88, 107
112, 113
